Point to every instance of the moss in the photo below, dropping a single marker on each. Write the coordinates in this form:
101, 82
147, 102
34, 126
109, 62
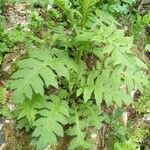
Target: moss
24, 142
16, 140
10, 137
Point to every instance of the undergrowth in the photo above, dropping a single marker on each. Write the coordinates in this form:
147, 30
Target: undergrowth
77, 60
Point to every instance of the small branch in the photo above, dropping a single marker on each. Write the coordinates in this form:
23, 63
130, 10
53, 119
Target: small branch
139, 8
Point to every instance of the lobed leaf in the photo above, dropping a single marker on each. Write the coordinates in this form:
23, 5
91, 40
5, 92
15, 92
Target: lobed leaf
36, 72
49, 125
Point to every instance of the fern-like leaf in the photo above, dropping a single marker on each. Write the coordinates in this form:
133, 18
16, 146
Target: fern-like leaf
99, 18
121, 67
82, 117
92, 114
107, 87
36, 72
29, 108
86, 5
49, 125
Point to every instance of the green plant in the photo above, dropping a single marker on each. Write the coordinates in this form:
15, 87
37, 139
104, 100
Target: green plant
130, 144
142, 106
135, 137
83, 116
118, 7
3, 45
54, 116
36, 71
141, 23
4, 110
79, 49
